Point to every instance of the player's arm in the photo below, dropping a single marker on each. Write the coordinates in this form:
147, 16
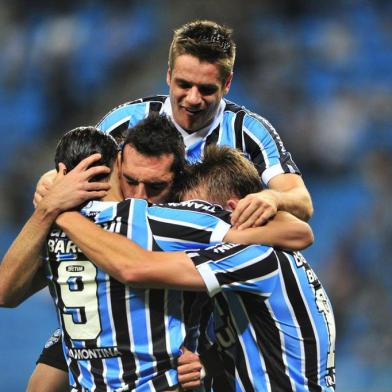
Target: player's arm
128, 262
284, 231
46, 378
114, 254
20, 270
133, 265
286, 192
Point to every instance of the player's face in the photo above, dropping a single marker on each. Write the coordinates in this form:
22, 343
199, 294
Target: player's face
145, 177
195, 91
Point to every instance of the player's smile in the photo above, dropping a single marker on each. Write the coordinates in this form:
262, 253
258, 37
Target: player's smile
192, 112
196, 91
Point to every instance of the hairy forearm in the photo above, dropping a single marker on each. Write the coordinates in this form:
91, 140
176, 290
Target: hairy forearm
20, 274
284, 231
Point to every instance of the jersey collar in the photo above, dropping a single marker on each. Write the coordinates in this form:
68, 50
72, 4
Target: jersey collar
189, 139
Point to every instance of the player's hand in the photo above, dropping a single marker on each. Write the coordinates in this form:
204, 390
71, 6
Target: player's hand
189, 369
72, 189
255, 209
43, 186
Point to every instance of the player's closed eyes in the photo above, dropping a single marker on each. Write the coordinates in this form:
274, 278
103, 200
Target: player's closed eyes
151, 187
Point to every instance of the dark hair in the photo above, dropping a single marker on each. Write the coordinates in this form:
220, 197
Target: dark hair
223, 173
206, 40
81, 142
156, 135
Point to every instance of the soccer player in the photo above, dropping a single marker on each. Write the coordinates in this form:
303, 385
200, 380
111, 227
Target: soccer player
274, 323
152, 159
69, 288
200, 71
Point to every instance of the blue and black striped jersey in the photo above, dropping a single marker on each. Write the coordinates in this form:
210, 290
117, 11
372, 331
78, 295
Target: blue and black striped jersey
116, 337
274, 323
233, 126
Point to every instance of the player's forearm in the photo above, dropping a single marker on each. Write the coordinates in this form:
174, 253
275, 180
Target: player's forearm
20, 276
115, 254
296, 201
284, 231
109, 251
128, 262
291, 195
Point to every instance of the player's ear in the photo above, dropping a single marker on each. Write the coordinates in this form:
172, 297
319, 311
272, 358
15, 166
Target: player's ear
231, 204
227, 84
118, 162
168, 76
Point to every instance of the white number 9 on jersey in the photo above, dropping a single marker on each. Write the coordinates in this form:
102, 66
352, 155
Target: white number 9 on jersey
78, 291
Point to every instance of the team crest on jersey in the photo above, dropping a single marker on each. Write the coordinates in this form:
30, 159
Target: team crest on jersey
54, 338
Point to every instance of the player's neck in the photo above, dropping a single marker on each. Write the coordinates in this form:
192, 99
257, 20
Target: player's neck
114, 193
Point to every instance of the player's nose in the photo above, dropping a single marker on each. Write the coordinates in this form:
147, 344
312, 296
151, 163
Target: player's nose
194, 96
140, 191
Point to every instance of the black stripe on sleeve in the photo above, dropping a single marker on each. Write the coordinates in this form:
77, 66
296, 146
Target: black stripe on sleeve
286, 160
238, 129
255, 153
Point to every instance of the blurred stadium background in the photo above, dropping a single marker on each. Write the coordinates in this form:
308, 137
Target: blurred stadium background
320, 72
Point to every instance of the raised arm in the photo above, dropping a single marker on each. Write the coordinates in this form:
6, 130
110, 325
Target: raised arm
286, 192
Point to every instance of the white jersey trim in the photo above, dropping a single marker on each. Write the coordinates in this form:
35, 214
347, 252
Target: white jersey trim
271, 172
209, 278
220, 231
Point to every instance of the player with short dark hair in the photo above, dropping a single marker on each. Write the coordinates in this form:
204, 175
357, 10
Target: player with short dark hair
152, 160
154, 136
81, 143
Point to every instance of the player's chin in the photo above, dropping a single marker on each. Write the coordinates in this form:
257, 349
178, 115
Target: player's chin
194, 123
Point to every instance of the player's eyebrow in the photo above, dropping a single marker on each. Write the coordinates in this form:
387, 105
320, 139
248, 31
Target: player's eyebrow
157, 182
